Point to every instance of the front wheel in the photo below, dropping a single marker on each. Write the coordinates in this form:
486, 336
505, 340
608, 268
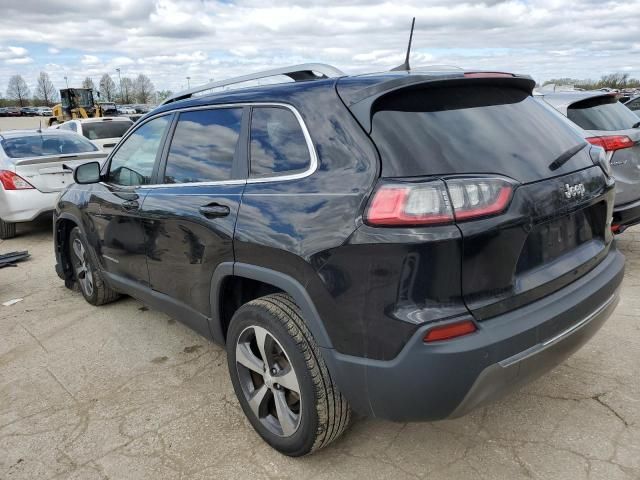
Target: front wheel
87, 276
280, 378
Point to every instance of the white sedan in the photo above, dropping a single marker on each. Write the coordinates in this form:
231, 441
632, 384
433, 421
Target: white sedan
35, 166
104, 131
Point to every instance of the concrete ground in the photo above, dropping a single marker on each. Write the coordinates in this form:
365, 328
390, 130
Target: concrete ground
18, 123
122, 392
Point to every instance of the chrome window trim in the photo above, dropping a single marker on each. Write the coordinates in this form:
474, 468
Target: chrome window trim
313, 163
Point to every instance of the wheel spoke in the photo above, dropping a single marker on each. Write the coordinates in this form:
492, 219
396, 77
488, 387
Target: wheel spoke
288, 380
246, 358
78, 249
261, 339
286, 417
257, 399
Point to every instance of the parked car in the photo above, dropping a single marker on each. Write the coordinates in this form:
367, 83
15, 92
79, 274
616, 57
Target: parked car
633, 104
126, 110
13, 112
3, 111
28, 111
103, 131
409, 245
44, 111
615, 128
108, 108
35, 166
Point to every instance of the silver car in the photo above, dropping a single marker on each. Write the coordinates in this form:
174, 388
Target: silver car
35, 166
103, 131
611, 125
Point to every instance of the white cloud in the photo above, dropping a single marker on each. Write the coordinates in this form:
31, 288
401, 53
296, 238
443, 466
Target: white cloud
171, 39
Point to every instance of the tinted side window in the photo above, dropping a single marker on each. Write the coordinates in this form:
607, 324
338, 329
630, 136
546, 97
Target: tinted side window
277, 142
132, 164
203, 146
634, 104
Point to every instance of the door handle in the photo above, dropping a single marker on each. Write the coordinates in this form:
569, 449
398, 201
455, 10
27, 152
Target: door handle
214, 210
130, 205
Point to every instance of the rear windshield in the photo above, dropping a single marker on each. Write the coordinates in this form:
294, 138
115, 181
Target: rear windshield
602, 113
45, 145
99, 130
470, 129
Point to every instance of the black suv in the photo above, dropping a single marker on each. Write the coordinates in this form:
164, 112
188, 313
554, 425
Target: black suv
408, 245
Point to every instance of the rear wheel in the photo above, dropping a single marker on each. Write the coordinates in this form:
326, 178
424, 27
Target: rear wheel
87, 276
280, 378
7, 230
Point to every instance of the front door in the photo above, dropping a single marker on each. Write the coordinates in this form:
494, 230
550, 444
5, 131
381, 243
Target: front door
115, 227
190, 217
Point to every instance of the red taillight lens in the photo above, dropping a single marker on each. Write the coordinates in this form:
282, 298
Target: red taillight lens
409, 204
433, 203
612, 143
11, 181
449, 331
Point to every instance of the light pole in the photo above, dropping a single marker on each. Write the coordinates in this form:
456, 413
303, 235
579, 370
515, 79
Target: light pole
120, 81
188, 83
66, 81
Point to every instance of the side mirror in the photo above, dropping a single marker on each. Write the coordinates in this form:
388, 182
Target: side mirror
87, 173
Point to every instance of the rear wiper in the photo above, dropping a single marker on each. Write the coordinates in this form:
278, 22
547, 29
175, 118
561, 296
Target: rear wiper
566, 156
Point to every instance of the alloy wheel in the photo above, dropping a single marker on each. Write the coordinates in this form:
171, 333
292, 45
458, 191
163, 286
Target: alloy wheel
83, 271
269, 382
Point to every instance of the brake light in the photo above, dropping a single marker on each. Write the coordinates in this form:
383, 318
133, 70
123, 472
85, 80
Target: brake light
449, 331
612, 143
437, 202
11, 181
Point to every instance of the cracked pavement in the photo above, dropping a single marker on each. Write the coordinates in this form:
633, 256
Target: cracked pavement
125, 392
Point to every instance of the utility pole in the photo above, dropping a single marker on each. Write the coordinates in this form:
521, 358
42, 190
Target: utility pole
188, 83
120, 81
66, 81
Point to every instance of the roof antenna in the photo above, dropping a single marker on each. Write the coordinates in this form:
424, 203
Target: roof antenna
405, 66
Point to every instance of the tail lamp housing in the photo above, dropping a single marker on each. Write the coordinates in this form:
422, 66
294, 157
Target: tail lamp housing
438, 202
12, 181
611, 143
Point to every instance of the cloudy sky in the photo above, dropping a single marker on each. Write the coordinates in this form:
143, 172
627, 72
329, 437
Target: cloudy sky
171, 39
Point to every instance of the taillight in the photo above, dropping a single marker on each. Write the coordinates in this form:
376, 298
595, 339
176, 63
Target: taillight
612, 143
410, 204
437, 202
449, 331
11, 181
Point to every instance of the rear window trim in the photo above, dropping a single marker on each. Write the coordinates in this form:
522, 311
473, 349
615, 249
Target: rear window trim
313, 164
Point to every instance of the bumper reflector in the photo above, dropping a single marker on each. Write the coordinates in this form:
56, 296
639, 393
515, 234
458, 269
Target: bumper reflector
449, 331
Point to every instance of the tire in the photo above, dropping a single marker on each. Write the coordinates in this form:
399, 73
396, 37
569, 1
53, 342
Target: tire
7, 230
88, 278
317, 414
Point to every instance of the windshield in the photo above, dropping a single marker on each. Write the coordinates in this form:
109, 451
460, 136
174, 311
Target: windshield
471, 129
46, 145
602, 113
99, 130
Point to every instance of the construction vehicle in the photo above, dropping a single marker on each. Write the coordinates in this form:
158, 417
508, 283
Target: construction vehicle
75, 103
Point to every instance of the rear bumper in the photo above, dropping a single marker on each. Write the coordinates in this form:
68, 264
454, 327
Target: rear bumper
450, 378
25, 205
625, 216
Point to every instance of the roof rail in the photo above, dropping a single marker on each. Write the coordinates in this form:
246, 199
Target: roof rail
298, 73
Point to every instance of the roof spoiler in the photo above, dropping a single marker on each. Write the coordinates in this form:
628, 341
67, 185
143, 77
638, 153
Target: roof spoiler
298, 73
361, 102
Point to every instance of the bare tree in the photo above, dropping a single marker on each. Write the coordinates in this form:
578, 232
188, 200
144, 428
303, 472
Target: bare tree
45, 91
144, 89
128, 90
162, 95
18, 90
107, 88
88, 83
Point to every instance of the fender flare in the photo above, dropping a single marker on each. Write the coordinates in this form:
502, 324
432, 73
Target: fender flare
280, 280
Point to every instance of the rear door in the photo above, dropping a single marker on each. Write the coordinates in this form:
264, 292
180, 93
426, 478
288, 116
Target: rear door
115, 223
606, 118
190, 216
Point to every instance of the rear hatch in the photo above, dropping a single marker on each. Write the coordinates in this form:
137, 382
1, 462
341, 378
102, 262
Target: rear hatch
554, 227
47, 161
613, 126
